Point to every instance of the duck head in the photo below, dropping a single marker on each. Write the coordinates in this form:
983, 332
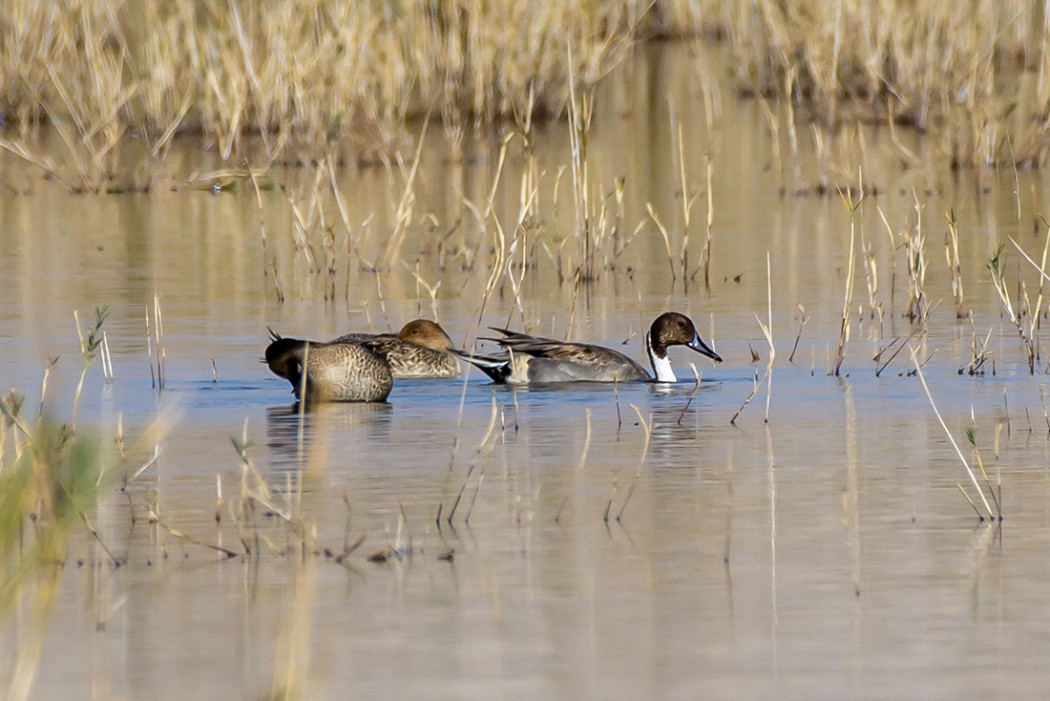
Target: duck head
284, 356
426, 333
674, 329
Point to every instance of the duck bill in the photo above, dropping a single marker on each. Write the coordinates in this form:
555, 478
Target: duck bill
702, 348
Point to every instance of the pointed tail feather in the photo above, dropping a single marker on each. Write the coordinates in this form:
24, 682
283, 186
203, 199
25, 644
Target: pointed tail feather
497, 367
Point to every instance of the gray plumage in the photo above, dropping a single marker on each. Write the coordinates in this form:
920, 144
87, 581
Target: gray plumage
531, 359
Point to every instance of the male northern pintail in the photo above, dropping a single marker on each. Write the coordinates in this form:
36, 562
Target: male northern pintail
420, 350
530, 359
335, 372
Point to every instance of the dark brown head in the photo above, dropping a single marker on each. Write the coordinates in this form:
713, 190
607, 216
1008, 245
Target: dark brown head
428, 334
284, 357
674, 329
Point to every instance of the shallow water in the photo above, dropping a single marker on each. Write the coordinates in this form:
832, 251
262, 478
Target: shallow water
827, 553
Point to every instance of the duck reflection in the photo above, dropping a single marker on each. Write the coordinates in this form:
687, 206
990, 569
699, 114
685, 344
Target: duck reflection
677, 412
301, 436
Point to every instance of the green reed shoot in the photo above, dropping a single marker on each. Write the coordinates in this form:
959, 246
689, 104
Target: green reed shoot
49, 482
996, 267
971, 437
89, 346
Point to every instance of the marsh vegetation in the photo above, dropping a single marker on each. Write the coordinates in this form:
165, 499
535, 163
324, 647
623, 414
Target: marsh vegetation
300, 80
847, 200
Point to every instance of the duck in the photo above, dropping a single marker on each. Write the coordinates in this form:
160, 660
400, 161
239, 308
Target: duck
421, 349
335, 372
532, 359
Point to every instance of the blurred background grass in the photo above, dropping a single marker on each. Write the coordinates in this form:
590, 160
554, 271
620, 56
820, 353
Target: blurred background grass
307, 75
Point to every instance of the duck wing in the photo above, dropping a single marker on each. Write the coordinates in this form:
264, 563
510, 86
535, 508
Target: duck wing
518, 338
560, 350
358, 337
558, 361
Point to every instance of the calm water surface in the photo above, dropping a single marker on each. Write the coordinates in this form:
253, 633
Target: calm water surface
827, 553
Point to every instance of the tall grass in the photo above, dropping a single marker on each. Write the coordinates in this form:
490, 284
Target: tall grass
301, 75
304, 78
960, 75
49, 480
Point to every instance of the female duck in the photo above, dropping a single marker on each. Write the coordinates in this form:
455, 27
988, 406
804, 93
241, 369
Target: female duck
421, 349
531, 360
334, 372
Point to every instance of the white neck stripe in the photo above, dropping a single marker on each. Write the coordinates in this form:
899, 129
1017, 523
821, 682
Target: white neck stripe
661, 366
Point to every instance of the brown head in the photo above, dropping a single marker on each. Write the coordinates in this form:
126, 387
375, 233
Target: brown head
674, 329
428, 334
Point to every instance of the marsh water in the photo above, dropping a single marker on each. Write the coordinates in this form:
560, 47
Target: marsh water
622, 542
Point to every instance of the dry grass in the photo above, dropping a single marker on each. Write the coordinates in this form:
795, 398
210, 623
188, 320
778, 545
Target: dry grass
977, 80
303, 76
1023, 313
119, 81
987, 511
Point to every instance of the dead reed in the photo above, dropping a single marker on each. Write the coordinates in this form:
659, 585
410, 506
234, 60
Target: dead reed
915, 255
154, 345
951, 254
767, 331
483, 448
954, 75
802, 319
302, 80
978, 352
300, 76
844, 327
971, 432
647, 427
1022, 315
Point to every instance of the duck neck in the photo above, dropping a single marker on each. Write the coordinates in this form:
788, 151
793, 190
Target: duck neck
659, 360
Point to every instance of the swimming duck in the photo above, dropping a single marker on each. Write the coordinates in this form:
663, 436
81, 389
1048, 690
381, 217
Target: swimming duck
335, 372
420, 350
530, 359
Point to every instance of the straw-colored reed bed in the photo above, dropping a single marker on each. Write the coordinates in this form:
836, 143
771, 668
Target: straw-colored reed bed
310, 76
302, 74
976, 77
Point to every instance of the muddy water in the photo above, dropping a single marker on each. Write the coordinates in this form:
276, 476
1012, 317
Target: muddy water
827, 553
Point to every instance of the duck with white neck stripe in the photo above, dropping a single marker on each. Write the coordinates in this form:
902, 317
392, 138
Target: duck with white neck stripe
532, 360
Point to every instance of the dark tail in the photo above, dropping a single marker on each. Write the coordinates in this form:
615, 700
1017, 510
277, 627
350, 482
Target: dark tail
497, 367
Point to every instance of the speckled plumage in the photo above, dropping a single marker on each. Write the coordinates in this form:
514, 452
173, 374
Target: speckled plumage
335, 372
530, 359
420, 350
